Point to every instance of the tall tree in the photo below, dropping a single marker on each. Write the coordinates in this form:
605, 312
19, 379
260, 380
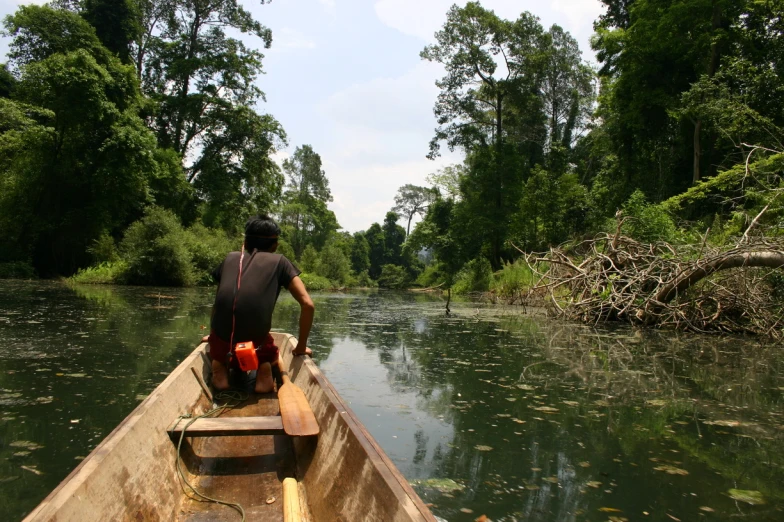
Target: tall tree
567, 88
117, 24
492, 73
203, 82
305, 215
394, 237
652, 51
410, 201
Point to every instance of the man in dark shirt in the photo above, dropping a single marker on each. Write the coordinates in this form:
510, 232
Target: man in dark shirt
248, 286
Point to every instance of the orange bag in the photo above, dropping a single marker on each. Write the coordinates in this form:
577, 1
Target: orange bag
246, 356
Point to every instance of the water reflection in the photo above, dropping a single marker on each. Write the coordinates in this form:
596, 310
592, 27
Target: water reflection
486, 412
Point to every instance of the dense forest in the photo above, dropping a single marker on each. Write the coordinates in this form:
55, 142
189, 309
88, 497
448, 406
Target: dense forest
131, 150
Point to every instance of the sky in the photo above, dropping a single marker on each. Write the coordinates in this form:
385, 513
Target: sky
345, 77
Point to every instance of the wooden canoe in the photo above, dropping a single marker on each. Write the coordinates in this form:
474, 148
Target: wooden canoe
342, 474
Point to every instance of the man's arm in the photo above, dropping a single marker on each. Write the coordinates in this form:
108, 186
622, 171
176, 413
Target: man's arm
306, 310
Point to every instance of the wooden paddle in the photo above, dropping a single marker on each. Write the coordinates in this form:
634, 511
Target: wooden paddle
298, 418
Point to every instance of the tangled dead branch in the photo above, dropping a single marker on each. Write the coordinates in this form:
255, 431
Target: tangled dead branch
694, 287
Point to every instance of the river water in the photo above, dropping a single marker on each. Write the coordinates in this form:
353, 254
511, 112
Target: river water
486, 412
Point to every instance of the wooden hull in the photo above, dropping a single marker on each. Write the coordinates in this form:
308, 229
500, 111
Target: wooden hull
343, 474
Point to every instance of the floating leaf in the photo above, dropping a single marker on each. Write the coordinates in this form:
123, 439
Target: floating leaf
26, 444
547, 409
746, 495
656, 402
551, 480
594, 484
32, 469
727, 423
571, 403
531, 487
707, 509
466, 510
481, 447
443, 485
671, 470
610, 510
585, 464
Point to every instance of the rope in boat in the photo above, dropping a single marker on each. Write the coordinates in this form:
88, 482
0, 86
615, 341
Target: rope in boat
233, 399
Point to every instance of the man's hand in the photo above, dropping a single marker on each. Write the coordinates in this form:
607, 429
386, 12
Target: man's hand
300, 350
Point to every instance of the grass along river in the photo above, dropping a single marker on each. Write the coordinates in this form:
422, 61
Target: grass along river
487, 412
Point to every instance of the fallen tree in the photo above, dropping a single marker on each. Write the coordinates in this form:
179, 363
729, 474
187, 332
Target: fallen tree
700, 288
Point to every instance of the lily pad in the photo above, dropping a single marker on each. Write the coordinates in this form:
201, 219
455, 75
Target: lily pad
748, 496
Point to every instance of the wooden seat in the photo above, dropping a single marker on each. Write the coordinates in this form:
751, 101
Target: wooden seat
226, 427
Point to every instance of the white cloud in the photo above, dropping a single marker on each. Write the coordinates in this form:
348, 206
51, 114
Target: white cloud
287, 38
377, 141
365, 193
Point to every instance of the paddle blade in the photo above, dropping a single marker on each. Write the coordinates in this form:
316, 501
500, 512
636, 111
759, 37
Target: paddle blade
298, 419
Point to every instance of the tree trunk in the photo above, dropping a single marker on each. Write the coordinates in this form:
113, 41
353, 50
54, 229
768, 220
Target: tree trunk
697, 151
713, 66
732, 259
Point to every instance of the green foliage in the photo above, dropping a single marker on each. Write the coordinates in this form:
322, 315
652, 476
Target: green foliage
315, 282
16, 270
393, 277
306, 220
39, 32
412, 200
104, 249
309, 260
284, 248
363, 280
432, 275
104, 273
117, 24
645, 222
156, 251
475, 276
512, 279
334, 265
75, 158
360, 253
207, 248
202, 84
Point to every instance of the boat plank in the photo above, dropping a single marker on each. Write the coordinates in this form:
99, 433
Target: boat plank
227, 427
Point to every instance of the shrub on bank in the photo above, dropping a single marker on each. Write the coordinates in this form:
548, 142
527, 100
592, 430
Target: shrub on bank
17, 270
207, 248
512, 279
475, 276
316, 282
106, 273
155, 248
393, 276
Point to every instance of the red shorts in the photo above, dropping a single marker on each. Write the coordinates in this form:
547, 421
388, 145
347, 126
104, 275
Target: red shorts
266, 351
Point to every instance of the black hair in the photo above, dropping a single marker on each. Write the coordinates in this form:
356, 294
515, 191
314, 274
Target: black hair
261, 233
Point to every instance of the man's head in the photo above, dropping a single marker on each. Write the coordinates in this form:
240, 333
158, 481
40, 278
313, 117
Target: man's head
261, 233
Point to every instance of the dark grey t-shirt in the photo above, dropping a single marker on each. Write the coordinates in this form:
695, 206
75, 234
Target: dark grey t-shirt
263, 274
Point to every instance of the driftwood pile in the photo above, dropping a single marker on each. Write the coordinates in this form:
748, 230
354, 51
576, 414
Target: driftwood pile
698, 288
